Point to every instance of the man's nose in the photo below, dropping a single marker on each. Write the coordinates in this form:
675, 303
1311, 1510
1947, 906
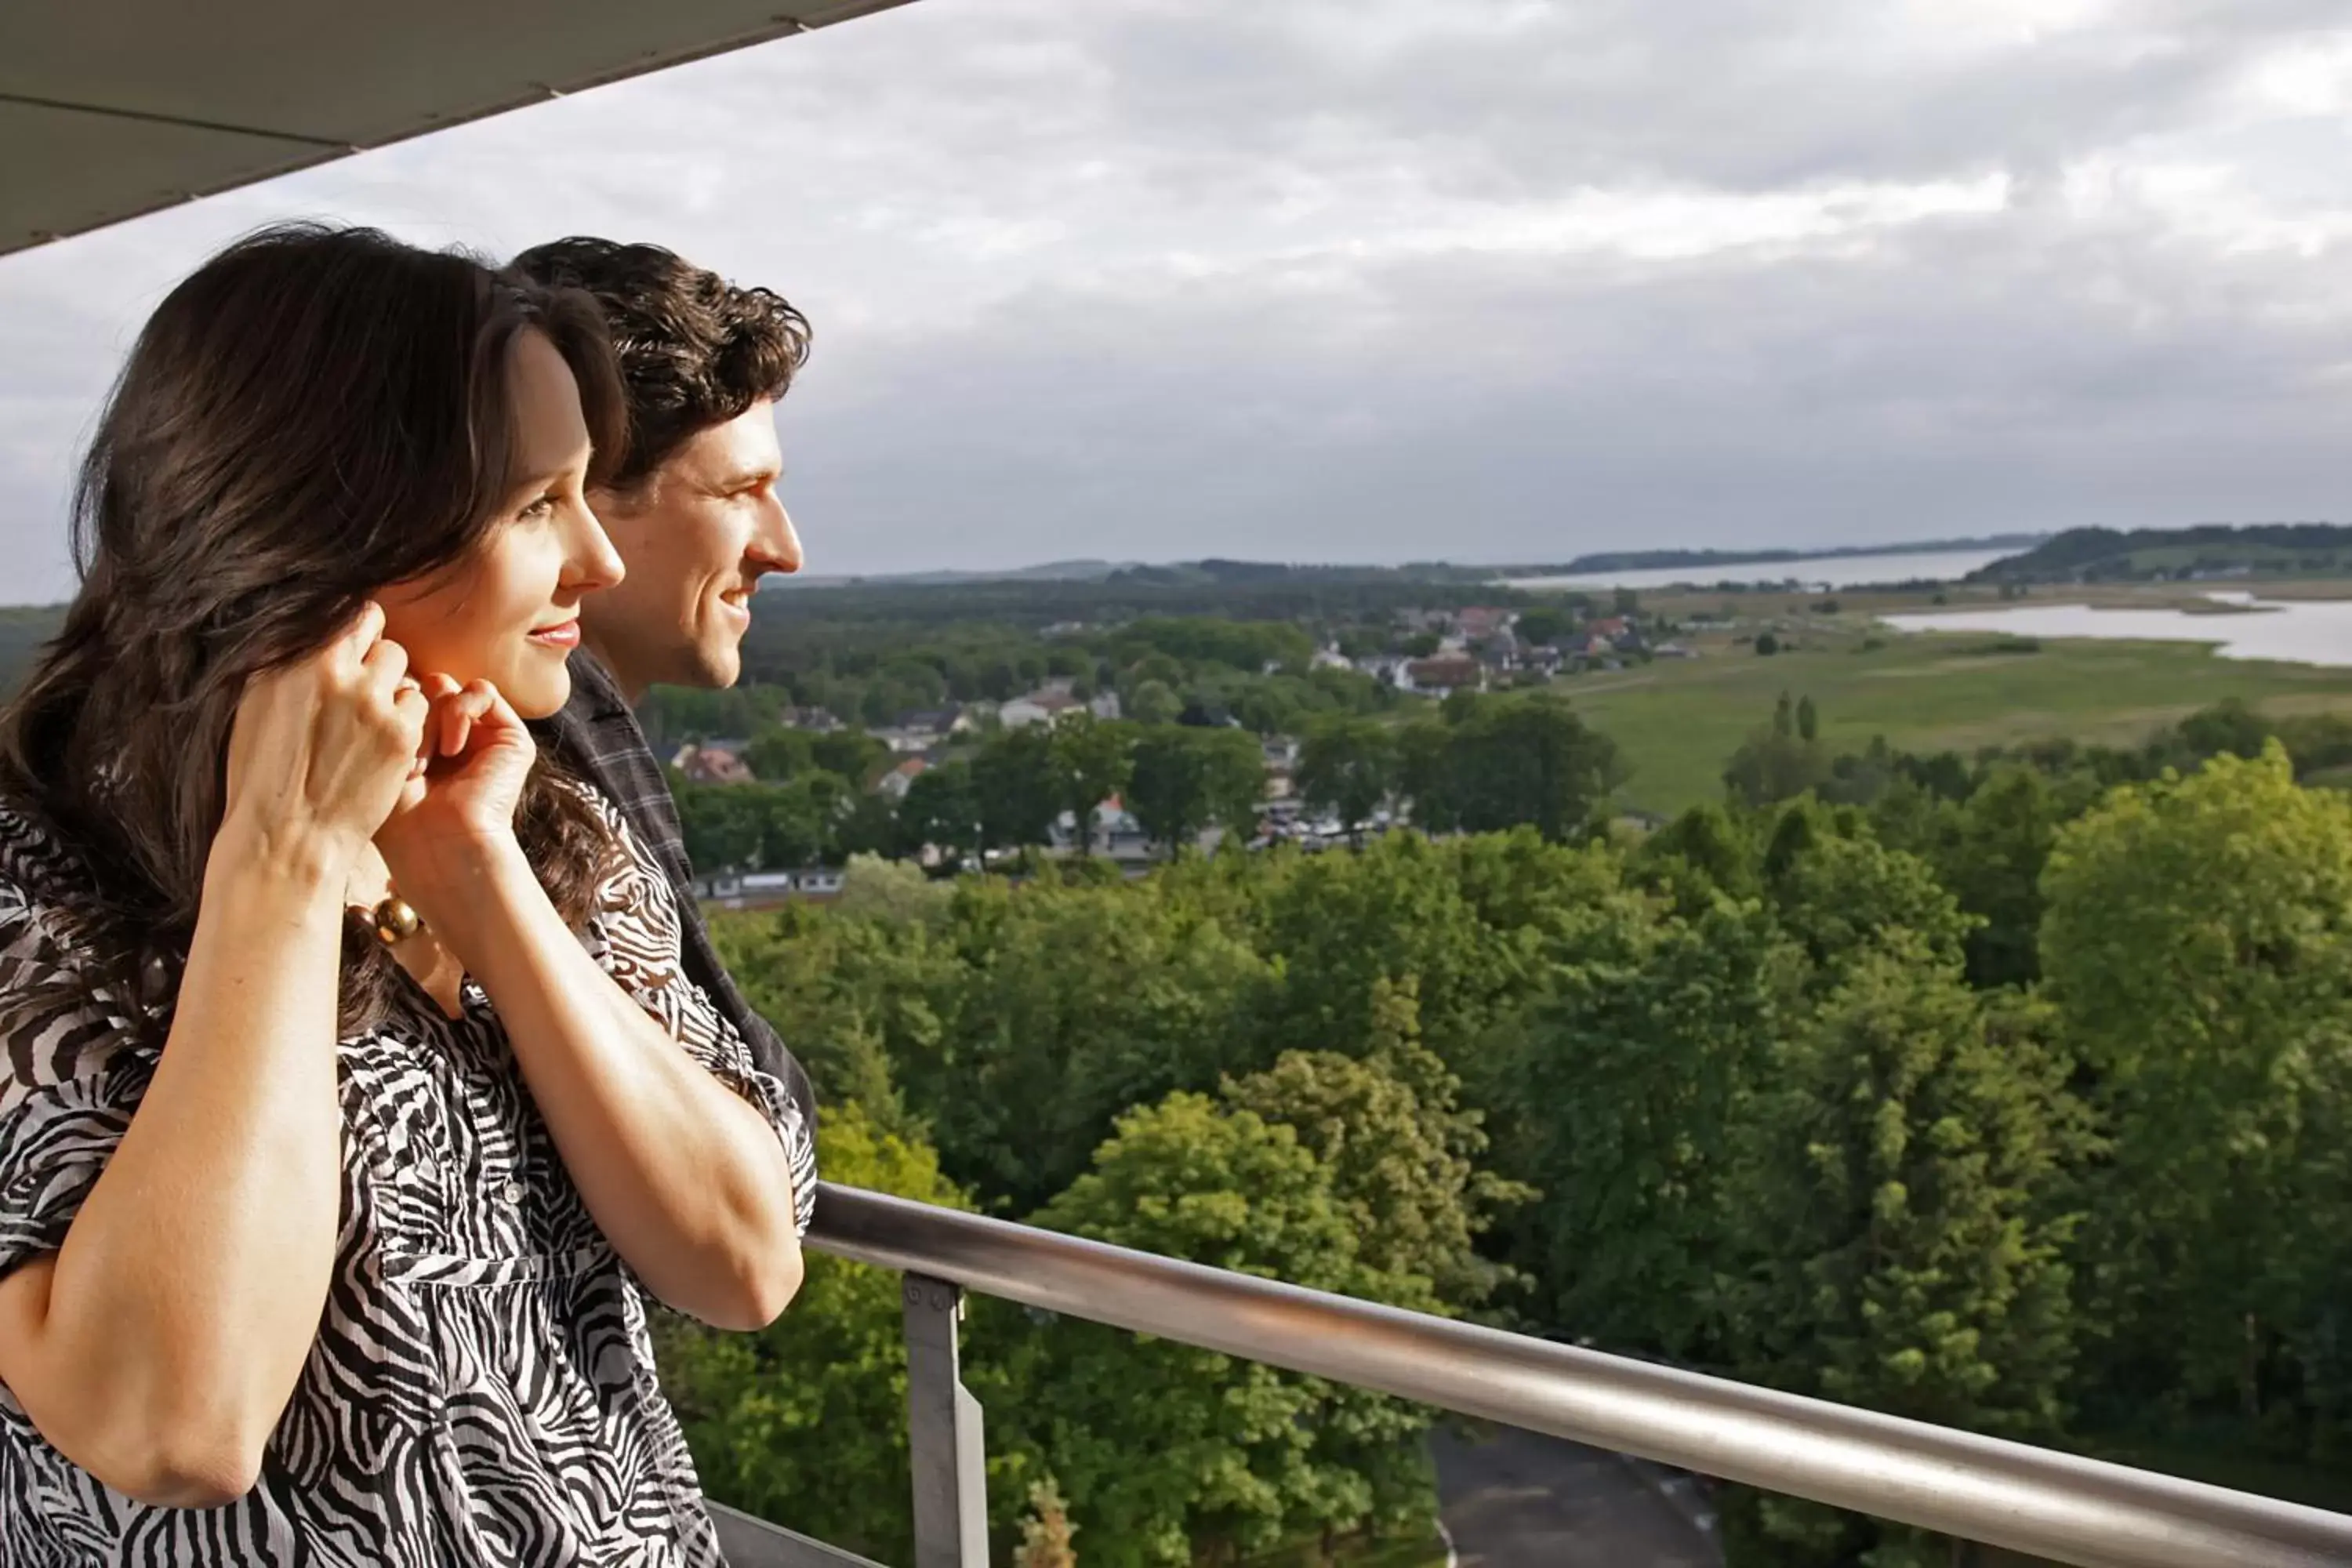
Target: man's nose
775, 544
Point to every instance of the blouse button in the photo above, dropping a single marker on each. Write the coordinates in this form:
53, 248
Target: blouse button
511, 1193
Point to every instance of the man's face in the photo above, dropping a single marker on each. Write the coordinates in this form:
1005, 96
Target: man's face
697, 535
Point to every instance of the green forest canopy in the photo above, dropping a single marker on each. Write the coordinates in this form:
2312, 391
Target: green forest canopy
2014, 1096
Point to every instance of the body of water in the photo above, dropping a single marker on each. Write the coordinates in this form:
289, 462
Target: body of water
1834, 571
2303, 631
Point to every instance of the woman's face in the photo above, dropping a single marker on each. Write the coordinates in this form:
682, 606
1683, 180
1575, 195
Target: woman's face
508, 613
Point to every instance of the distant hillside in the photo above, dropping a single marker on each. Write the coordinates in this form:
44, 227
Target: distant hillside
23, 629
1671, 560
2151, 554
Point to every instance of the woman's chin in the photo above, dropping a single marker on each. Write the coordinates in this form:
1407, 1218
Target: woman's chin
536, 694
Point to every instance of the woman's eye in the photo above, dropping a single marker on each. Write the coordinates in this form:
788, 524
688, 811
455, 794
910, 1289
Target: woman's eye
543, 507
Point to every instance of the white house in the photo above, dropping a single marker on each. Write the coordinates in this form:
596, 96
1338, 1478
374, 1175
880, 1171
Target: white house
1042, 707
900, 779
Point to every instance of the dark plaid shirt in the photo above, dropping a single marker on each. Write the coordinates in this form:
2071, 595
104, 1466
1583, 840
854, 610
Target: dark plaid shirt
597, 738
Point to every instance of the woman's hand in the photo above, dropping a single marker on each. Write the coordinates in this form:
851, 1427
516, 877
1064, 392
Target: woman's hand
477, 754
322, 751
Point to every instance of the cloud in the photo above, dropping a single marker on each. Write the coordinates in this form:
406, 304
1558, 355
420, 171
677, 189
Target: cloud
1359, 279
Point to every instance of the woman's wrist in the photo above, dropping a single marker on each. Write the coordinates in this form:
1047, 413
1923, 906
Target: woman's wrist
302, 864
471, 895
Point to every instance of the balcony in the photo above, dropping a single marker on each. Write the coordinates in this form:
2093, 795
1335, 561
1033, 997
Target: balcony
2035, 1500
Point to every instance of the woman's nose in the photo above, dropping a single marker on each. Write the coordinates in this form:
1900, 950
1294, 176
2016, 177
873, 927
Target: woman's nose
594, 563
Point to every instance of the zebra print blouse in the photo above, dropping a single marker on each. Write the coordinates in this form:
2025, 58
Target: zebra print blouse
482, 1389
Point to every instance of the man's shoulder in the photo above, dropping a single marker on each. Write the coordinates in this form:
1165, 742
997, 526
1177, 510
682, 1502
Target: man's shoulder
595, 694
595, 726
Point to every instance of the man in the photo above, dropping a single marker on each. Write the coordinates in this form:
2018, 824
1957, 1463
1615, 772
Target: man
694, 513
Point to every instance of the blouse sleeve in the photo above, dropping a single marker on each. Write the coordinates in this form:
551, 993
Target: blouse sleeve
73, 1076
634, 936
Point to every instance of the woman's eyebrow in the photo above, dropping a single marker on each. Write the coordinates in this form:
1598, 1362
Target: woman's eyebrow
547, 474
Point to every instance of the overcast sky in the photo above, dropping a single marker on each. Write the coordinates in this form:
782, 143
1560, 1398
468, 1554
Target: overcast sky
1472, 279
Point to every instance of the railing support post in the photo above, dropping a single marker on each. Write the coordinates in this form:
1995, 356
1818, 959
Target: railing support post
944, 1446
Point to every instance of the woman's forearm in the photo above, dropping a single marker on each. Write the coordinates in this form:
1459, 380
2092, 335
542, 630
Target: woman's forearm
688, 1180
159, 1346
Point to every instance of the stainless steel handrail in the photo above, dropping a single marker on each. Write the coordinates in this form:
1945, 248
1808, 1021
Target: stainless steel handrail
2007, 1494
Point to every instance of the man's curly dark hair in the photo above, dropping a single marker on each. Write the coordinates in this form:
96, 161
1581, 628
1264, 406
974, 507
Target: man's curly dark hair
695, 351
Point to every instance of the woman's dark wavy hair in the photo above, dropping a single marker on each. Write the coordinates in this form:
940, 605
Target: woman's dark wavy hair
694, 350
314, 414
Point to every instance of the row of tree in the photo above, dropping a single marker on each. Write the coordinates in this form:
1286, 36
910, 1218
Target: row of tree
1475, 764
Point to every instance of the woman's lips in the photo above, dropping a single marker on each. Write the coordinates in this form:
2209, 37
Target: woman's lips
566, 636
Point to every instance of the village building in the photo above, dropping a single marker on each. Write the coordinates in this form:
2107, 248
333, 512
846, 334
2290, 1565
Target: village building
712, 763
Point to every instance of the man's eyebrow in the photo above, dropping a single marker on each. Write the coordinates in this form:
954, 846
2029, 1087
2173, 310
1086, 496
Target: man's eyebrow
751, 474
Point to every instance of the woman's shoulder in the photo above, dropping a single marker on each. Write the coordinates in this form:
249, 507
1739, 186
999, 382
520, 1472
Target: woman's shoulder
635, 906
632, 859
40, 873
59, 1015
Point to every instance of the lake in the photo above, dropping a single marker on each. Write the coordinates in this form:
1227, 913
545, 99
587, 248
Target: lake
2306, 631
1832, 572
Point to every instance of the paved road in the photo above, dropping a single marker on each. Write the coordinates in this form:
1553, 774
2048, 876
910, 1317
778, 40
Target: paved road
1516, 1499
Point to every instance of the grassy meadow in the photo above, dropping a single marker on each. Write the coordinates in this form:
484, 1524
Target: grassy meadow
1677, 721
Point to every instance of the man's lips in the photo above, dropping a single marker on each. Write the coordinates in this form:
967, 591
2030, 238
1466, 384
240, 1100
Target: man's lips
564, 636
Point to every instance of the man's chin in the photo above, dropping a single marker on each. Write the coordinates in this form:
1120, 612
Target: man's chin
717, 667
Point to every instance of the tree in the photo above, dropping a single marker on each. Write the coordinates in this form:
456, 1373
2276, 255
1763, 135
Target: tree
867, 823
1348, 766
1066, 1007
1781, 761
1705, 850
2197, 944
1842, 895
776, 753
1401, 1152
875, 888
1531, 760
1992, 859
800, 820
1544, 624
1185, 779
1154, 702
1425, 777
1808, 720
942, 808
1045, 1534
1886, 1191
852, 754
1092, 761
1767, 644
806, 1421
1015, 790
1617, 1093
1169, 1451
722, 825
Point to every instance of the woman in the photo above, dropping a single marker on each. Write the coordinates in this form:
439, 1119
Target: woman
352, 1089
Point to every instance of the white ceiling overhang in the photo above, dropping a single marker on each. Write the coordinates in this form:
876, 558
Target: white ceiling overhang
114, 107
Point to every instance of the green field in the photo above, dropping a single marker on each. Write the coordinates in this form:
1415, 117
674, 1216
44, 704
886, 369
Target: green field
1677, 721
